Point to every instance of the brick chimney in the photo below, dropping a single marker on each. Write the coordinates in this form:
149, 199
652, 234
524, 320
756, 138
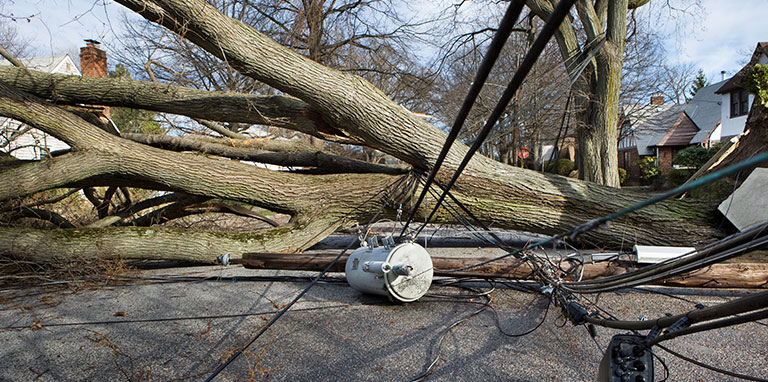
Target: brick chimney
657, 99
93, 63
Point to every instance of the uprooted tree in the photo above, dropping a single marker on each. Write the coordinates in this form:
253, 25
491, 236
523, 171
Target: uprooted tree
331, 192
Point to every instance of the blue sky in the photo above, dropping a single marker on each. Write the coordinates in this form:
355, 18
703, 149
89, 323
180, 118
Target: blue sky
719, 39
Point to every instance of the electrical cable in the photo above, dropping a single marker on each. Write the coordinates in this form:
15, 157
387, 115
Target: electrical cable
548, 30
486, 306
737, 320
741, 305
712, 248
686, 263
167, 319
525, 333
494, 50
710, 367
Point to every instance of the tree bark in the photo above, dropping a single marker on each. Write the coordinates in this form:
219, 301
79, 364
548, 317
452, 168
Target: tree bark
279, 111
314, 158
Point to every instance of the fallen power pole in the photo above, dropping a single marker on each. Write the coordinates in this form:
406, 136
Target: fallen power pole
723, 275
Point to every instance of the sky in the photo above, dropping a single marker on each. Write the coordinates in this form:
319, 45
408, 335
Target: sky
720, 38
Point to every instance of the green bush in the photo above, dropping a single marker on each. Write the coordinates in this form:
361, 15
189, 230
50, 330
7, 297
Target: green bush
678, 176
623, 175
561, 166
696, 156
756, 82
648, 168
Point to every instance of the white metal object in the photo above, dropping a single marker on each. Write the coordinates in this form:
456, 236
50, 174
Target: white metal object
403, 273
653, 254
748, 205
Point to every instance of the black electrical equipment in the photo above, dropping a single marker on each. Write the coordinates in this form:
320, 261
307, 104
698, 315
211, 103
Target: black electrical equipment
626, 360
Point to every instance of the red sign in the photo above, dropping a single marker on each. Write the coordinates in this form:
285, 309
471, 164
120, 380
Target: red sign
524, 153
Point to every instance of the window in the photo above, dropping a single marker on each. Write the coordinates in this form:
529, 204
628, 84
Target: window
626, 160
739, 103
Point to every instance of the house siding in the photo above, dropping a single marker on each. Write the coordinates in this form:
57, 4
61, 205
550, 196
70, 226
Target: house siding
732, 126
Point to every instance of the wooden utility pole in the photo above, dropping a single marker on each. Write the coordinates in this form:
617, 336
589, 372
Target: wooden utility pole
727, 275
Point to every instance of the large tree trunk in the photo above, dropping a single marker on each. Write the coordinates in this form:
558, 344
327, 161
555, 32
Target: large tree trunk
596, 91
342, 107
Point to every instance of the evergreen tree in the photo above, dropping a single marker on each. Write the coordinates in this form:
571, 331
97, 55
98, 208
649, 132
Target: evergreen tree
699, 82
133, 120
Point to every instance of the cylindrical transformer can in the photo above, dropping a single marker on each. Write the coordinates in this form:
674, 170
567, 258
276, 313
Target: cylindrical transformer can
370, 270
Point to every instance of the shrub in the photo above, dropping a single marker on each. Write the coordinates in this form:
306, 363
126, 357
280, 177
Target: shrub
561, 166
623, 175
678, 176
756, 82
696, 156
648, 168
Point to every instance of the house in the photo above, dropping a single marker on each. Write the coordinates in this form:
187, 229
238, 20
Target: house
717, 112
735, 101
24, 142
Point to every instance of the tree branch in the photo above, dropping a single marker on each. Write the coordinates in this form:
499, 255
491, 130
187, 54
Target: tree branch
279, 111
296, 157
36, 213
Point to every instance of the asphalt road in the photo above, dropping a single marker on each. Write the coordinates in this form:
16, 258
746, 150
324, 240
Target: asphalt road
184, 322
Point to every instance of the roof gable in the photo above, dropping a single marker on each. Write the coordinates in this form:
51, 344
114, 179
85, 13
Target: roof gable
736, 82
652, 124
52, 64
681, 132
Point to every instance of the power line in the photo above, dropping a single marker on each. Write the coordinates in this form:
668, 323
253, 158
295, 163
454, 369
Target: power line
710, 367
551, 25
166, 319
497, 44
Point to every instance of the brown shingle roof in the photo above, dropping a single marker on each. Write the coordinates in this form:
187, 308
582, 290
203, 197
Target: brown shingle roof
681, 132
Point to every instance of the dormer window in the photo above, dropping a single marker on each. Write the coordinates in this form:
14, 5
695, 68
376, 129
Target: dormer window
739, 103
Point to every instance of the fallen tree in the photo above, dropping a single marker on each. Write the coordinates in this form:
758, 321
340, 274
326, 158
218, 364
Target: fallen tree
323, 102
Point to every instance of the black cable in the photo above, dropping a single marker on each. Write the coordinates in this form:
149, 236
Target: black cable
145, 320
552, 24
694, 261
743, 319
710, 367
746, 304
718, 246
494, 50
562, 124
525, 333
487, 304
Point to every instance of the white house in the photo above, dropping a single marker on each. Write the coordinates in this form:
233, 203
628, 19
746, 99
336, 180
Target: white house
734, 100
20, 140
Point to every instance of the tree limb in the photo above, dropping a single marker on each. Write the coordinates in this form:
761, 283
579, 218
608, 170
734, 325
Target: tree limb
304, 158
47, 215
279, 111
